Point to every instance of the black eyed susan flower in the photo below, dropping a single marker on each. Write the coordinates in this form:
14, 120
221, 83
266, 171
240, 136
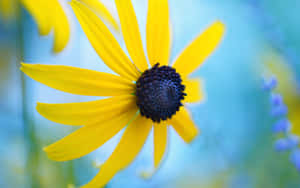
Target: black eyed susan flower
139, 97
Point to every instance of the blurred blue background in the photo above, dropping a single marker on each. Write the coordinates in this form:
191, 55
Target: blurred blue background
236, 145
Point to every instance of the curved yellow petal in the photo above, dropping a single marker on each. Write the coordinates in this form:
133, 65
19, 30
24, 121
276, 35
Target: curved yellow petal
131, 33
61, 25
193, 89
104, 43
194, 55
103, 12
160, 137
78, 81
86, 112
184, 126
130, 145
39, 10
158, 32
88, 138
50, 15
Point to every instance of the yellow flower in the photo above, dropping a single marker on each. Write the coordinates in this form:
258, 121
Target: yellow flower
140, 97
50, 15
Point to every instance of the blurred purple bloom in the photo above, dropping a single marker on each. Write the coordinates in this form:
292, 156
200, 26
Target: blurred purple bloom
276, 99
281, 145
285, 144
270, 84
290, 142
279, 110
295, 158
282, 125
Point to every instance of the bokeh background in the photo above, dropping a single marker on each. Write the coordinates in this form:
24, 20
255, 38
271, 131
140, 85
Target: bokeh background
236, 145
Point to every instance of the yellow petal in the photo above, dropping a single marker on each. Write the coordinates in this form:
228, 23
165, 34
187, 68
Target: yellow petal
193, 89
104, 42
184, 126
86, 112
131, 33
78, 81
160, 136
50, 15
130, 145
195, 54
102, 11
158, 32
61, 25
88, 138
39, 10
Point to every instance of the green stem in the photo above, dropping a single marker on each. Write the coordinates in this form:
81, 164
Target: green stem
71, 175
32, 154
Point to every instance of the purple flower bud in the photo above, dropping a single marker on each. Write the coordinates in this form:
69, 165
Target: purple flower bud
293, 140
285, 144
276, 99
282, 125
295, 158
281, 145
280, 110
270, 84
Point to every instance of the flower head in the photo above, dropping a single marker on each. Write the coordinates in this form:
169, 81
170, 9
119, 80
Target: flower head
159, 93
139, 96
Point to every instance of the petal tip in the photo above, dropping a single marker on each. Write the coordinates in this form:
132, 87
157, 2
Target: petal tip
24, 66
220, 25
60, 45
56, 50
39, 107
52, 155
193, 137
45, 149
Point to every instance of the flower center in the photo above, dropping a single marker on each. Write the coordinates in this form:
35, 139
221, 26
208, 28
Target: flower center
159, 92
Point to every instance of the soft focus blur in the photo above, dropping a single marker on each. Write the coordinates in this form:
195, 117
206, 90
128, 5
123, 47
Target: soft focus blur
236, 146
